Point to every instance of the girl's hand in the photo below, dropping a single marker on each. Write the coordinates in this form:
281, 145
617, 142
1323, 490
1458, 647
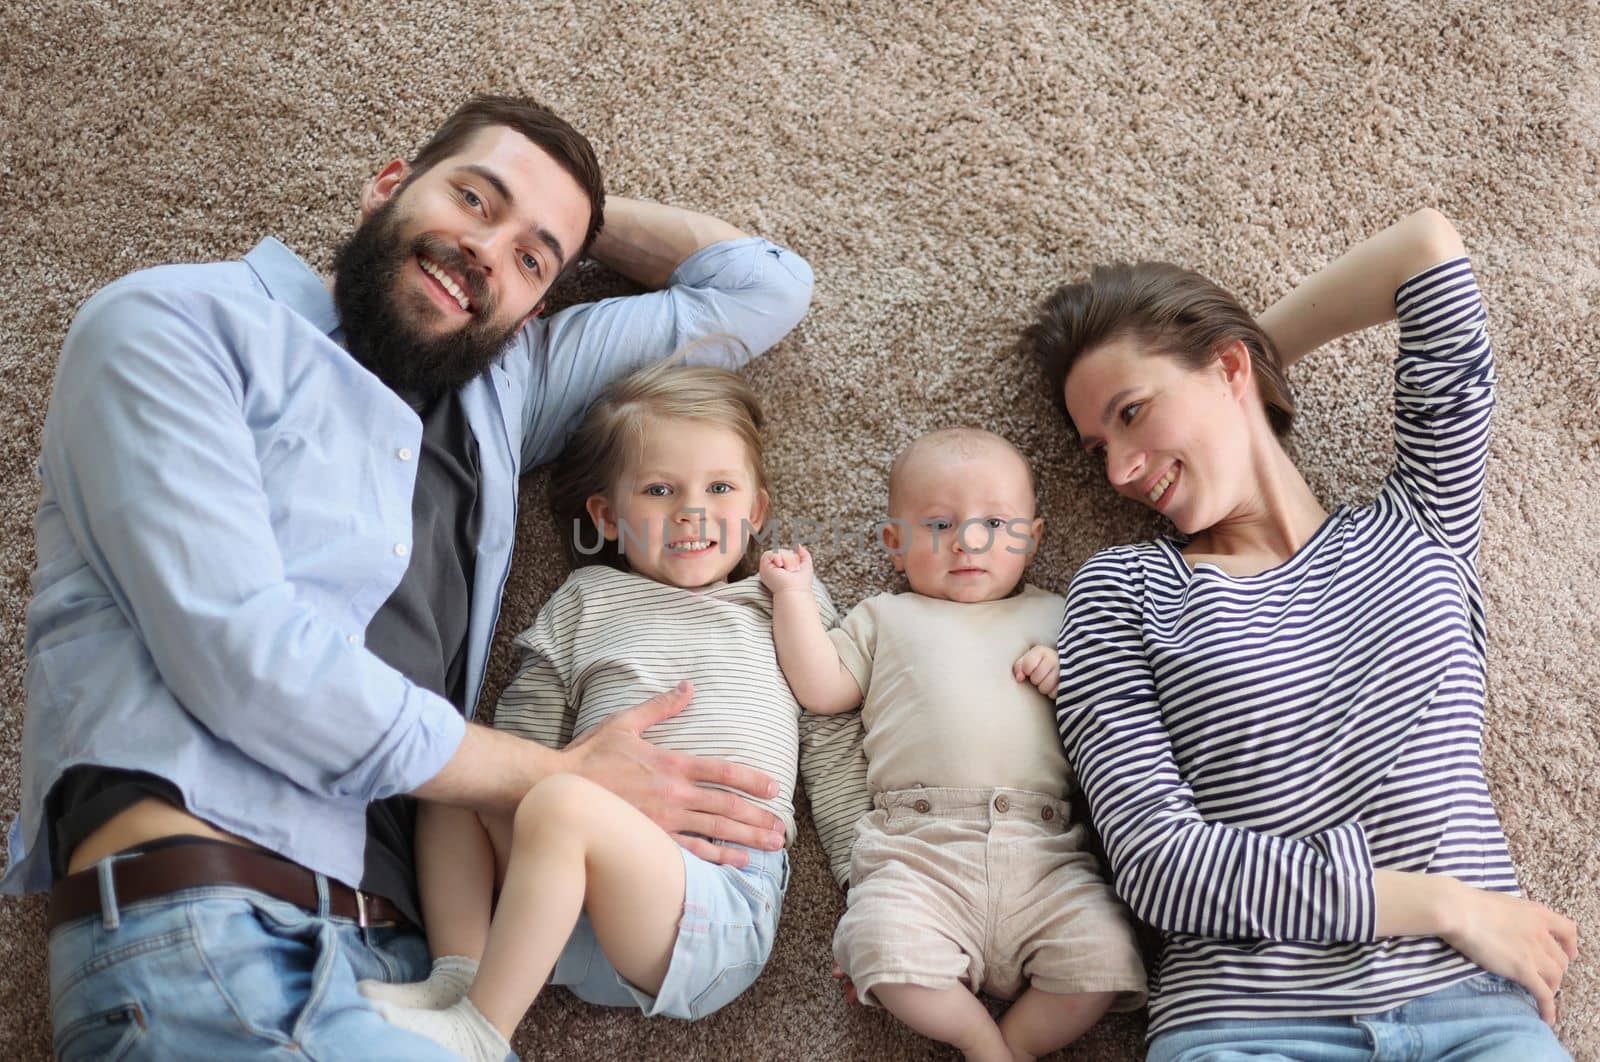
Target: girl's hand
1521, 940
783, 569
1041, 666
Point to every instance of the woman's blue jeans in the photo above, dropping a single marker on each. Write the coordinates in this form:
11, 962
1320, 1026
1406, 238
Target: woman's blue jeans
1482, 1019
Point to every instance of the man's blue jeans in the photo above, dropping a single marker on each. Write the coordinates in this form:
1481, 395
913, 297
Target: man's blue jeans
1482, 1019
223, 972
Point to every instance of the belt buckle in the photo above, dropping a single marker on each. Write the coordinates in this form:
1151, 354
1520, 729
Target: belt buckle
361, 909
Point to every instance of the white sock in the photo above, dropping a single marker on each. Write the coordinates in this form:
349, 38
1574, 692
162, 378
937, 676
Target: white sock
460, 1028
447, 982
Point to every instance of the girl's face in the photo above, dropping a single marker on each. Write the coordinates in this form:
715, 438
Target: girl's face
684, 512
1173, 438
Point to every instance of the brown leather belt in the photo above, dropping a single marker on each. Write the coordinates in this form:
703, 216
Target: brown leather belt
150, 875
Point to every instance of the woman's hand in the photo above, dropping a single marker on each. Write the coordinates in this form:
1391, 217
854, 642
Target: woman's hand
1518, 939
1521, 940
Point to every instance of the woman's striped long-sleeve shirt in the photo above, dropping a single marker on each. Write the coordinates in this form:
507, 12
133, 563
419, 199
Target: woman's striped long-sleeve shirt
1252, 748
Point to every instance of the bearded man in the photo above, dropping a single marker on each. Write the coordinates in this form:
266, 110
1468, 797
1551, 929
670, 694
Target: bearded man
277, 514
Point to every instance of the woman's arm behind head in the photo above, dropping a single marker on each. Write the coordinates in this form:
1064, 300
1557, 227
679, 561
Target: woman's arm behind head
1356, 290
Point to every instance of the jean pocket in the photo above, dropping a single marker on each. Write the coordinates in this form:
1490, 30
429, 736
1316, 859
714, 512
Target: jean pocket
1493, 984
1488, 984
728, 985
104, 986
769, 875
783, 877
756, 885
268, 960
103, 1036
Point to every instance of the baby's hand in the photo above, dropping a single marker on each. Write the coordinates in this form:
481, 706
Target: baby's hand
783, 569
1040, 666
845, 983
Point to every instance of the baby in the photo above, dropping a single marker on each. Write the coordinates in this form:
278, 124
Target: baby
969, 873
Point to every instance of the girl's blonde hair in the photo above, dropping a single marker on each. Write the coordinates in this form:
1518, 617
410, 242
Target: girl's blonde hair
610, 440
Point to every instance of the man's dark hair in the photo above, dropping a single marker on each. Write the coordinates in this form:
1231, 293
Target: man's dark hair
570, 148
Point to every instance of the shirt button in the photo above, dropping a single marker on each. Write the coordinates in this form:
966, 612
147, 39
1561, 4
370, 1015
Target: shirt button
404, 453
1001, 804
353, 639
400, 549
923, 806
1047, 814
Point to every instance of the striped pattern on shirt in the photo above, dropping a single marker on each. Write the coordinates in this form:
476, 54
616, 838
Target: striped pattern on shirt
607, 640
1252, 748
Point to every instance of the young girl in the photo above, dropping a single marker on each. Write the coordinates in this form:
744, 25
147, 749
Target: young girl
665, 485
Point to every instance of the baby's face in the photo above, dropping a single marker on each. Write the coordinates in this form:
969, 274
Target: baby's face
966, 524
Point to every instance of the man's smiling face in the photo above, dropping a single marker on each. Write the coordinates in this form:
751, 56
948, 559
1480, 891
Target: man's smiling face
450, 261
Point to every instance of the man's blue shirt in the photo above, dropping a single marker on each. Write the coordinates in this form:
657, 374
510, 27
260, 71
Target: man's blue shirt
226, 503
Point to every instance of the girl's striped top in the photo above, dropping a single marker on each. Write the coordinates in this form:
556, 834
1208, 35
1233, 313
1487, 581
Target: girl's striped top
1252, 748
608, 639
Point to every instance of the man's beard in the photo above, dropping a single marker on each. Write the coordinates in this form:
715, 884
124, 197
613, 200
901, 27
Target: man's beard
379, 335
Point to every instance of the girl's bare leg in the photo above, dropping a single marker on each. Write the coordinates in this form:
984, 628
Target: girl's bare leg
1041, 1022
576, 846
952, 1015
573, 845
455, 876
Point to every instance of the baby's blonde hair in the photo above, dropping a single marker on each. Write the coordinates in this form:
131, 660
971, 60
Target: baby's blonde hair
610, 440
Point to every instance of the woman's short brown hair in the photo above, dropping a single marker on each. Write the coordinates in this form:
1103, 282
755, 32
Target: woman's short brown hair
1171, 310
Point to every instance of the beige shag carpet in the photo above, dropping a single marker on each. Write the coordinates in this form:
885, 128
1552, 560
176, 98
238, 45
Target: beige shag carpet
940, 165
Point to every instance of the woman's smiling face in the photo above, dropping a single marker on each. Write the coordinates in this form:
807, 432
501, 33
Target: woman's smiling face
1172, 438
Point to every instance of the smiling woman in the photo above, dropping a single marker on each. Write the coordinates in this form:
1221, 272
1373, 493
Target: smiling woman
1306, 820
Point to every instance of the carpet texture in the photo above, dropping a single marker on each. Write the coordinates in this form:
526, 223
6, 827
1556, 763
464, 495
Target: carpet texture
940, 166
